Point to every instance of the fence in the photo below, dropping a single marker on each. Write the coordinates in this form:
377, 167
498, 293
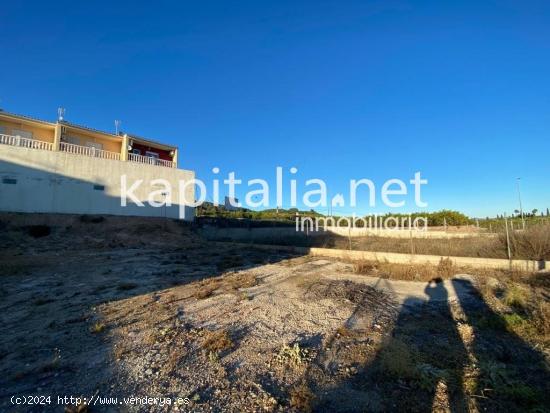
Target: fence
134, 157
25, 142
88, 151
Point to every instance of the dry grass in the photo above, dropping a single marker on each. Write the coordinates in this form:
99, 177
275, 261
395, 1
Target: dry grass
521, 303
204, 291
301, 398
409, 272
516, 296
533, 243
225, 284
217, 341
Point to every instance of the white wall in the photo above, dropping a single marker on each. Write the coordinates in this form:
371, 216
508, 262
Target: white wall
59, 182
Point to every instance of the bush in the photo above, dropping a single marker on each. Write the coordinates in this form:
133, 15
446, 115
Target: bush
515, 296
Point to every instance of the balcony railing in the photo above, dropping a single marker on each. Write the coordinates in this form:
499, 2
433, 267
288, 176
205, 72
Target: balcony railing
88, 151
134, 157
25, 142
81, 150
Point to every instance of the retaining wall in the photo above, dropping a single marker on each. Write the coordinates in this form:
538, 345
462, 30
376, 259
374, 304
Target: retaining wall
397, 258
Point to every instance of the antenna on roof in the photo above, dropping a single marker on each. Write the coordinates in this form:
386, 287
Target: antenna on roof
60, 114
117, 126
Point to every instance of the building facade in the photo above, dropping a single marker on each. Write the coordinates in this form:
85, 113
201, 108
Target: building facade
61, 167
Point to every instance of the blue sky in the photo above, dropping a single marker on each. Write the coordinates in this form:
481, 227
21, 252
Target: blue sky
340, 90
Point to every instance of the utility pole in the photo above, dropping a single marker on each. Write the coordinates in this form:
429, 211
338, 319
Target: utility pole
507, 239
520, 206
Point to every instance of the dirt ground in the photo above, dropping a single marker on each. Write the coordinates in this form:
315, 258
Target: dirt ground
107, 308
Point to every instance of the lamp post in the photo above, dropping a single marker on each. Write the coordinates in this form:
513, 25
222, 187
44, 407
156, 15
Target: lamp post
520, 206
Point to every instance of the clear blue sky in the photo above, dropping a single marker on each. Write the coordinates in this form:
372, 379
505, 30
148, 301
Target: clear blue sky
457, 90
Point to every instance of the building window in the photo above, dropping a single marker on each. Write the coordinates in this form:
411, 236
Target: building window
22, 133
71, 139
136, 151
3, 130
9, 181
152, 154
95, 145
99, 187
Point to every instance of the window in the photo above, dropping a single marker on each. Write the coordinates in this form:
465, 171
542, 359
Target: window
152, 154
136, 151
99, 187
71, 139
9, 181
95, 145
3, 130
22, 133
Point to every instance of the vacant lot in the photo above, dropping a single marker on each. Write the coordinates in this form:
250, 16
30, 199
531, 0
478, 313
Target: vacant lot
113, 307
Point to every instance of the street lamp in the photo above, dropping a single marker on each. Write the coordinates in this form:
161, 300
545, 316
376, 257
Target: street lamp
520, 206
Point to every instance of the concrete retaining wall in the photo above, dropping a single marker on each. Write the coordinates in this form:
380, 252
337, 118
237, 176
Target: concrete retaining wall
396, 258
33, 180
274, 233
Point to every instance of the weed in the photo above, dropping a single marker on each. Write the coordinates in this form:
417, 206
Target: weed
541, 315
446, 268
364, 267
217, 341
204, 292
301, 398
213, 357
515, 296
98, 327
294, 355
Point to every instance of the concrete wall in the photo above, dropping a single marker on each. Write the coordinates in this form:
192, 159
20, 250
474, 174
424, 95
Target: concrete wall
285, 232
60, 182
396, 258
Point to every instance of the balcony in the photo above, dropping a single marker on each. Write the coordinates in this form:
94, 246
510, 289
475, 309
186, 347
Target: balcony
82, 150
25, 142
149, 160
88, 151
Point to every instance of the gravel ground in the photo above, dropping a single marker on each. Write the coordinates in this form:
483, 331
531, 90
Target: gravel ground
106, 309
